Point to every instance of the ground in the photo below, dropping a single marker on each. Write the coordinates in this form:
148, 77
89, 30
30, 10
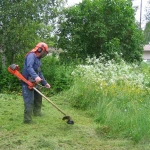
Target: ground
50, 132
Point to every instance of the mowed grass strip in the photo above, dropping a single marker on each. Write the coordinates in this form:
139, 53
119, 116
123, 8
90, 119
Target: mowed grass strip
50, 132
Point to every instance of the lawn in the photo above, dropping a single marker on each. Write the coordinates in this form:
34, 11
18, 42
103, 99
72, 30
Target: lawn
50, 132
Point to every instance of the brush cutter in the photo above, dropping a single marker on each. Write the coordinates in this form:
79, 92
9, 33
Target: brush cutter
14, 69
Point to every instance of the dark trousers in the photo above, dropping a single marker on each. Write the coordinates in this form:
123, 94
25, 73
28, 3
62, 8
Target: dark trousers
32, 103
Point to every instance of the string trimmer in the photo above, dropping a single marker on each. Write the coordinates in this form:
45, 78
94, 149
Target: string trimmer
14, 69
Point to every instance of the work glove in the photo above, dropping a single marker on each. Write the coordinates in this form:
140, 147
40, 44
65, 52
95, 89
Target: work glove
47, 86
38, 79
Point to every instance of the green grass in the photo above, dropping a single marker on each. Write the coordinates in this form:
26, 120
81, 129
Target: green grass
50, 132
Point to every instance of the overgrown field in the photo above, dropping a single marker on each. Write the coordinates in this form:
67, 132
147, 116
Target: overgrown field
116, 96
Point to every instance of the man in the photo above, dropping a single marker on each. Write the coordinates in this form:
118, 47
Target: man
32, 71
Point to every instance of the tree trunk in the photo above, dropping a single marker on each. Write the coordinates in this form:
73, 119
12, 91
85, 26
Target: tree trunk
3, 58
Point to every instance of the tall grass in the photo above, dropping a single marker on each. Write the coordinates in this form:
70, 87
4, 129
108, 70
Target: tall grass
116, 95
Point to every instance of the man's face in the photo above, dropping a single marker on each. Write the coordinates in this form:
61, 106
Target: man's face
43, 54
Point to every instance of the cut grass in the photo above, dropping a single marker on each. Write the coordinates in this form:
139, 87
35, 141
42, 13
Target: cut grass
50, 132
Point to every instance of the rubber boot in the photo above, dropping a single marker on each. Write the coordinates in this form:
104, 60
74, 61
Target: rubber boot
28, 113
28, 96
37, 104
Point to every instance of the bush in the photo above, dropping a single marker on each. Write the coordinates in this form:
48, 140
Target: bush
8, 82
58, 74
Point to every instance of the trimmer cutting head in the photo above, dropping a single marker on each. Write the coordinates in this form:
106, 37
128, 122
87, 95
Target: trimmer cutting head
69, 120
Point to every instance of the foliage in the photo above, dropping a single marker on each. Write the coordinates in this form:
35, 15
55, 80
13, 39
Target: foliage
147, 33
101, 26
8, 82
115, 95
148, 11
57, 73
25, 23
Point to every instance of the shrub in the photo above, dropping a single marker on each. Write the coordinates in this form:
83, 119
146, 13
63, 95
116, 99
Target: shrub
58, 74
8, 82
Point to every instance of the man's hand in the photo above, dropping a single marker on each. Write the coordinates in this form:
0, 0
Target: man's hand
38, 79
47, 86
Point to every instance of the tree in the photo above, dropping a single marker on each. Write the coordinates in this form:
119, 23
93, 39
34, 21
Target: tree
147, 33
24, 23
148, 11
101, 26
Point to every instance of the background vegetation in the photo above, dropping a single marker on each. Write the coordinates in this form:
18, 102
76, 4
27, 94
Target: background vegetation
99, 70
101, 26
25, 23
147, 33
115, 95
